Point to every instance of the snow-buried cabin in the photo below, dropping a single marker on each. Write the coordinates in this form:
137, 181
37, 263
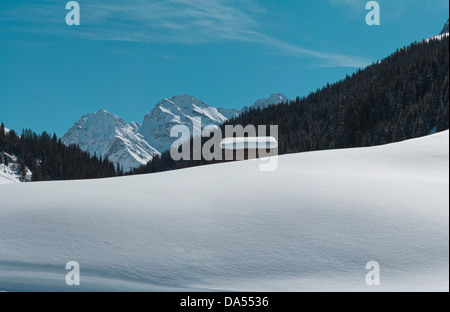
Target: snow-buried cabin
245, 148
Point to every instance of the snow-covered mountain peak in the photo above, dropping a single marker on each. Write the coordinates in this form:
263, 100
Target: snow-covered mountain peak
108, 135
273, 99
184, 105
105, 114
185, 101
99, 124
135, 144
178, 110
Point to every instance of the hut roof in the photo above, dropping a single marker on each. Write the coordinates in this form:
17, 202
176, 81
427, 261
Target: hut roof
248, 143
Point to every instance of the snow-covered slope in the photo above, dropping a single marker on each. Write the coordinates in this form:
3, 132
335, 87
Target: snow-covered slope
311, 225
6, 177
8, 174
179, 110
438, 37
11, 172
273, 99
110, 136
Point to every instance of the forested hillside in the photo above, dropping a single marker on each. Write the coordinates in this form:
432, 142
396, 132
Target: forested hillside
49, 159
405, 96
402, 97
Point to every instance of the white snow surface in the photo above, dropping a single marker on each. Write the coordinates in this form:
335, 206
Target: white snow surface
311, 225
110, 136
7, 175
11, 173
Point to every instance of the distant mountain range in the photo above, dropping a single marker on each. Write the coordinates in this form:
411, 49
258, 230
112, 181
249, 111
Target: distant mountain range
132, 145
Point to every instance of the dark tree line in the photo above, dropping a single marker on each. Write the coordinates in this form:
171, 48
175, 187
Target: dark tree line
402, 97
49, 159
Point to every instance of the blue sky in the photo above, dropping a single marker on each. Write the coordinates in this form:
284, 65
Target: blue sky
127, 55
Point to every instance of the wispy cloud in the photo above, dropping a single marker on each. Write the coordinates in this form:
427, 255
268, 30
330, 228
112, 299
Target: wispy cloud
355, 5
172, 21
